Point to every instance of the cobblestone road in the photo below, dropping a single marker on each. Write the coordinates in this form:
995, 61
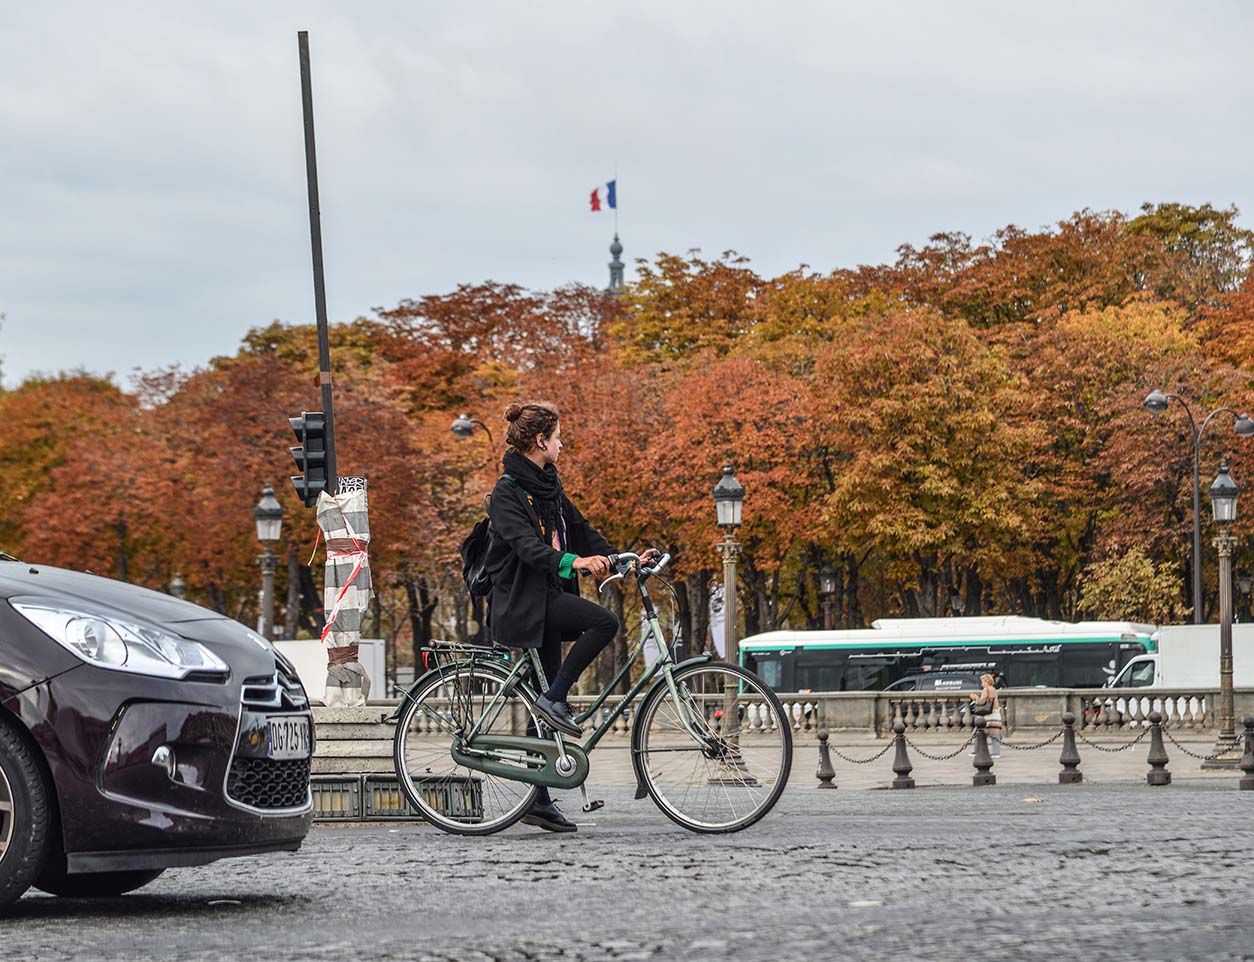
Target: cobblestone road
1007, 873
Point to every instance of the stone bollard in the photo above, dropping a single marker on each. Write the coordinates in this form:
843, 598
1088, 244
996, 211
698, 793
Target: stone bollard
1070, 757
1158, 774
826, 774
1247, 760
983, 760
901, 762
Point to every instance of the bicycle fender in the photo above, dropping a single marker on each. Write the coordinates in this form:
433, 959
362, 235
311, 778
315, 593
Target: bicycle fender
407, 693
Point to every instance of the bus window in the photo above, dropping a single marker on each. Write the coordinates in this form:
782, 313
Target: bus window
770, 670
1032, 672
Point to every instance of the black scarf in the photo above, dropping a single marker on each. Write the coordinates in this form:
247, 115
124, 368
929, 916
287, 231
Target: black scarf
545, 488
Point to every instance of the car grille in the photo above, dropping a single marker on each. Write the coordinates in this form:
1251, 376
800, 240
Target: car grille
269, 785
281, 690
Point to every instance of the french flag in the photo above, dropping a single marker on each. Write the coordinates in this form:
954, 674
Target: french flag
605, 196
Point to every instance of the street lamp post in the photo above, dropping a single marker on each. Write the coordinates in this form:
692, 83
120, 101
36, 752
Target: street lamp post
827, 595
269, 517
729, 497
1223, 500
1156, 403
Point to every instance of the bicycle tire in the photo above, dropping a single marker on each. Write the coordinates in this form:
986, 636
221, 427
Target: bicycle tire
648, 774
468, 784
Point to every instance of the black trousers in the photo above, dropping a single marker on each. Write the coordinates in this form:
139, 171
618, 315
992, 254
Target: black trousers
566, 615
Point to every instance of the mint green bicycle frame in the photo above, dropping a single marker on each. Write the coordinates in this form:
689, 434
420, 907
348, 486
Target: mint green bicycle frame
664, 664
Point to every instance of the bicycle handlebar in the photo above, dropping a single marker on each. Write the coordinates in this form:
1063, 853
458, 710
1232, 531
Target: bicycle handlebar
622, 562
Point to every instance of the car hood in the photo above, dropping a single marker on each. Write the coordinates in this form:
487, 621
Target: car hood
17, 578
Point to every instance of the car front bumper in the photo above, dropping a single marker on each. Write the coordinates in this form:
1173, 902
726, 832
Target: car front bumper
151, 773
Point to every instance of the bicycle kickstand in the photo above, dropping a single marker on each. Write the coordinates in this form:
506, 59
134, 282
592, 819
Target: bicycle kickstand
590, 805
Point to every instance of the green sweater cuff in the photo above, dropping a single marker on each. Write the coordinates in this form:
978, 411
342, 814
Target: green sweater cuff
565, 568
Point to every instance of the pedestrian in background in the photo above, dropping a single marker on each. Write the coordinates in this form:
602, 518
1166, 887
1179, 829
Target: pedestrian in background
987, 699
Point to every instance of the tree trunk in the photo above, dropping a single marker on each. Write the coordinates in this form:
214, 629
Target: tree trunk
291, 612
973, 593
698, 641
123, 565
312, 614
851, 616
683, 620
620, 643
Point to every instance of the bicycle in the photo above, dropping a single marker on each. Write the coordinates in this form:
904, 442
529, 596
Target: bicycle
470, 752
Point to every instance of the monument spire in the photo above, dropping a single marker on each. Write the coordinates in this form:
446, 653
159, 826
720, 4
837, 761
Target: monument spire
616, 267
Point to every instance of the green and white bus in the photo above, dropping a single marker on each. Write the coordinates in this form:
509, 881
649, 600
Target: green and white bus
899, 653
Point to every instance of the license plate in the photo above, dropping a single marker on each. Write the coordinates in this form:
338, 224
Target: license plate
289, 737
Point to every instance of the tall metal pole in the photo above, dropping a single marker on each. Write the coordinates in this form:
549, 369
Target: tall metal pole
1227, 723
1197, 527
315, 240
731, 645
268, 561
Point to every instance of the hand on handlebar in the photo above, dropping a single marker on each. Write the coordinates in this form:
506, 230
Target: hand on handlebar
596, 565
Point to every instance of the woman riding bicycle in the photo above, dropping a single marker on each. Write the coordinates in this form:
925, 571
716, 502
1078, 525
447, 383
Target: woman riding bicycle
540, 543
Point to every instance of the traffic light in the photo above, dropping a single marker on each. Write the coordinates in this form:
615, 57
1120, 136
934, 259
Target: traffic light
310, 456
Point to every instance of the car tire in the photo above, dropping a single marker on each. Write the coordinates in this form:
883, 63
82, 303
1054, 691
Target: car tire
25, 816
94, 885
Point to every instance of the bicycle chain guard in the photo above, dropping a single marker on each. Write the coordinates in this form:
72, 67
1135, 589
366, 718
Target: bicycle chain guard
531, 760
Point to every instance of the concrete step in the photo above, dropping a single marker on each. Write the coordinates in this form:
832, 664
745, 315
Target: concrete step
355, 732
361, 748
362, 715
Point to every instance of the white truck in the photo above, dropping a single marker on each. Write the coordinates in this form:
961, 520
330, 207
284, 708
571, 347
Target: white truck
1188, 657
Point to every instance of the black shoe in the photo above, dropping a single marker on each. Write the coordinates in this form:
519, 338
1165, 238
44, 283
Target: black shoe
556, 714
549, 817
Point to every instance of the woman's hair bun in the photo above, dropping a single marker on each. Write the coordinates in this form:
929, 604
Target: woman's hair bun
512, 412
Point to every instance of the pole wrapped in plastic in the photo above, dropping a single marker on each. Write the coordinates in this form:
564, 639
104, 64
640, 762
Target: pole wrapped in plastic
345, 523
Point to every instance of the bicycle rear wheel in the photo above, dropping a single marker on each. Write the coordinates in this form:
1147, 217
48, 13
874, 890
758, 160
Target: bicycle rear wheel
729, 775
452, 797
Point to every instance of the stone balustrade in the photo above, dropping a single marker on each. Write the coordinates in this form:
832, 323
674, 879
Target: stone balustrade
360, 739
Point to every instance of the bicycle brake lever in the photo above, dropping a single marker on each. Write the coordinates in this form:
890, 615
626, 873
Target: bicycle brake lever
617, 577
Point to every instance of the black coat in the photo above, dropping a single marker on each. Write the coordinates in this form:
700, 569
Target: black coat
523, 566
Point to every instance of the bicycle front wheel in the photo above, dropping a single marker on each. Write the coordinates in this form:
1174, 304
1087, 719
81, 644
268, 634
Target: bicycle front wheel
450, 796
715, 758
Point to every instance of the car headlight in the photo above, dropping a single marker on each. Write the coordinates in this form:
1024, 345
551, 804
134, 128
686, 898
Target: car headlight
109, 640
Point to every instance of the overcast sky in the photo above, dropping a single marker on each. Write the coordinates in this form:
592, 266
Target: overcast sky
152, 166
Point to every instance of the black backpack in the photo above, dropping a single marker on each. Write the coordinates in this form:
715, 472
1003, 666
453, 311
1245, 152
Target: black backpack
474, 552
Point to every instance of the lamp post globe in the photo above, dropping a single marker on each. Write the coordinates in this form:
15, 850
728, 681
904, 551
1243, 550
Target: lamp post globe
827, 595
1156, 402
268, 515
178, 587
1223, 497
729, 499
1244, 426
464, 425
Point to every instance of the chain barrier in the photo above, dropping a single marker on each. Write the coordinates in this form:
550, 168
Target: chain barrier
1110, 751
1206, 758
1030, 748
861, 761
942, 758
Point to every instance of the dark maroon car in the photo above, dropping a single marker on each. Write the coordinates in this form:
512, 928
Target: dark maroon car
138, 732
